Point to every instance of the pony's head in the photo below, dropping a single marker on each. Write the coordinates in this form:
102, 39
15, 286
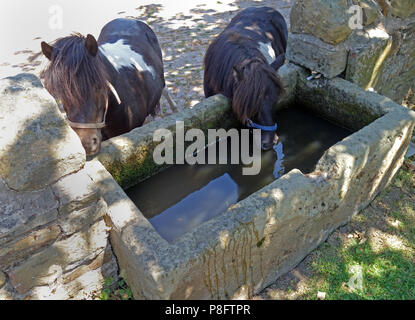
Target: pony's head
256, 91
76, 77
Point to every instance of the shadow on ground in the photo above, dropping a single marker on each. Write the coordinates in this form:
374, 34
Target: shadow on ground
376, 248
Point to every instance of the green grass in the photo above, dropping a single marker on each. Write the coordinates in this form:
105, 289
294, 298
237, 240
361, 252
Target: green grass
388, 274
115, 291
387, 271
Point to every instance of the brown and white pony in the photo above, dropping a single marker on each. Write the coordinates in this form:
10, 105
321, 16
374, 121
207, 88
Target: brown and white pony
242, 63
107, 87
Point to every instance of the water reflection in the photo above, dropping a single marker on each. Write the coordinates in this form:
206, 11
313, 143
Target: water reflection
212, 199
198, 207
279, 169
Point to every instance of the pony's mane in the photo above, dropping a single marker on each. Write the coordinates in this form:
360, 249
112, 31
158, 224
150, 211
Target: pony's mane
247, 95
73, 72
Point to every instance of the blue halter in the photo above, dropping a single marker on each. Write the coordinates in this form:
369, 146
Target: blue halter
251, 124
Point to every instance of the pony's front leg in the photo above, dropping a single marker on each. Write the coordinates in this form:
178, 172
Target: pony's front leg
166, 94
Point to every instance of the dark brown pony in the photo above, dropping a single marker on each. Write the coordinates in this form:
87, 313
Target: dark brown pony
107, 87
242, 62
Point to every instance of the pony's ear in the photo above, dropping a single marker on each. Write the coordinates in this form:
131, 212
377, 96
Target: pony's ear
237, 74
91, 45
47, 50
278, 62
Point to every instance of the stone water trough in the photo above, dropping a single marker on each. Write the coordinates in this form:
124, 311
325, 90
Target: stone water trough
247, 247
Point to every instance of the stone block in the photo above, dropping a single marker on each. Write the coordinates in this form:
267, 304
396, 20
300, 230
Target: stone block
85, 287
384, 62
122, 211
93, 265
6, 293
397, 76
75, 192
314, 54
15, 251
82, 218
37, 147
328, 20
402, 8
370, 11
2, 279
21, 212
46, 266
367, 55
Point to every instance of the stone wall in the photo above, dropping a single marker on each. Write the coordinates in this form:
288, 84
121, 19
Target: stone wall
380, 56
53, 238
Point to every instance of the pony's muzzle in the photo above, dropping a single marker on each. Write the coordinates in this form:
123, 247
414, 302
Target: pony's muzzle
90, 139
93, 146
268, 140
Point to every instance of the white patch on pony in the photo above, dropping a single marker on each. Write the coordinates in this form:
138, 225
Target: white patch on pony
268, 52
121, 55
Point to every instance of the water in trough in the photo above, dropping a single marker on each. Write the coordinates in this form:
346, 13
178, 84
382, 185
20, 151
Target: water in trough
184, 196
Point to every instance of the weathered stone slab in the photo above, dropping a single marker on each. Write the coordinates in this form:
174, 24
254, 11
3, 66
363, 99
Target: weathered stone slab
6, 293
123, 212
368, 52
45, 196
84, 287
325, 19
46, 266
93, 265
37, 147
384, 62
397, 76
288, 75
75, 192
21, 212
79, 219
2, 279
314, 54
402, 8
370, 11
380, 59
20, 249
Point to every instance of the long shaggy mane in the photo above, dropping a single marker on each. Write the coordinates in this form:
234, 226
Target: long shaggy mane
231, 49
73, 72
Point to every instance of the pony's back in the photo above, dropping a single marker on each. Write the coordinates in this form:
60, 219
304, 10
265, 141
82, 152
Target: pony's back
238, 42
267, 18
